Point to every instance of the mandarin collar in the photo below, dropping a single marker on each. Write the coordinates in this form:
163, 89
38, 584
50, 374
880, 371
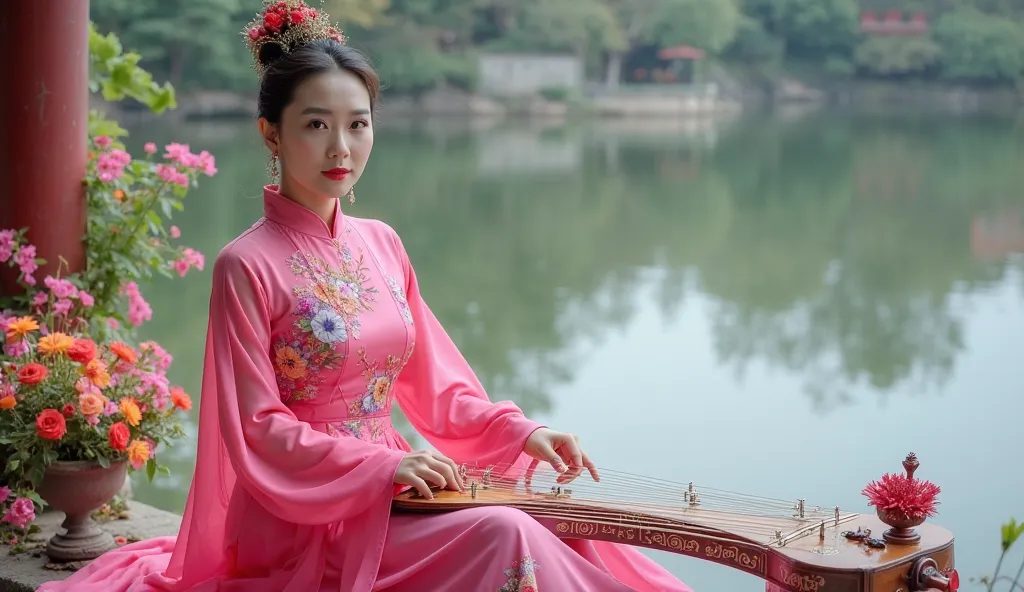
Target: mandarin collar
296, 216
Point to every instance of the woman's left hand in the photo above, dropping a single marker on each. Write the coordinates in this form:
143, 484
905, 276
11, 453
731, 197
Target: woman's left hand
563, 451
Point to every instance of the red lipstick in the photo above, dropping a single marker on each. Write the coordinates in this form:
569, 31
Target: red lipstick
336, 174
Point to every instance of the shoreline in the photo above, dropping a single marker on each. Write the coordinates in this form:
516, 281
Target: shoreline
731, 97
225, 105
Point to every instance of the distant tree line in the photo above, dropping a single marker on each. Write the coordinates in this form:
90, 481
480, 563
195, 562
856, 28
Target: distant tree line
195, 44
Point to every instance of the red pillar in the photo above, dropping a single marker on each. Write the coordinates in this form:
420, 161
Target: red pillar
43, 125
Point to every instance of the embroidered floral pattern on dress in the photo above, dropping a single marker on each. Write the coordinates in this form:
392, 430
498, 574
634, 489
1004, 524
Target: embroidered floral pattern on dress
370, 410
327, 313
370, 429
399, 293
329, 306
298, 362
378, 385
521, 576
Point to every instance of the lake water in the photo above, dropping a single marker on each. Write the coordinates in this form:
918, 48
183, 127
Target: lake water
782, 306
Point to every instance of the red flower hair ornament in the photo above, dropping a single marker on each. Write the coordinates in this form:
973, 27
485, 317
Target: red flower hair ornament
284, 25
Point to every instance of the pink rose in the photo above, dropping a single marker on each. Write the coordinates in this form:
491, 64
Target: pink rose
20, 513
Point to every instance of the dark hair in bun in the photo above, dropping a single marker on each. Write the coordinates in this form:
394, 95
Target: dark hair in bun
284, 72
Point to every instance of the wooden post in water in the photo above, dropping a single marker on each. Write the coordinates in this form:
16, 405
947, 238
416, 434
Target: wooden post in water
44, 71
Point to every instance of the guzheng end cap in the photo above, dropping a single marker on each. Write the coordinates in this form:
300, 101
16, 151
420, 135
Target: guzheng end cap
284, 25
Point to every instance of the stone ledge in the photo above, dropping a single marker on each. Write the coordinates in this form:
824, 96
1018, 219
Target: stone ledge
26, 571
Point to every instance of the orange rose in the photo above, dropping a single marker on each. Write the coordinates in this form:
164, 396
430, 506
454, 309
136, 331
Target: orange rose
91, 403
83, 351
8, 402
123, 352
180, 398
32, 373
118, 436
50, 425
96, 372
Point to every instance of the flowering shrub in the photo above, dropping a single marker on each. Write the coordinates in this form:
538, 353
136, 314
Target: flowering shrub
72, 385
129, 203
64, 396
127, 240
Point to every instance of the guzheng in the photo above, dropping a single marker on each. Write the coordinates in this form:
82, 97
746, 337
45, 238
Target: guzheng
791, 544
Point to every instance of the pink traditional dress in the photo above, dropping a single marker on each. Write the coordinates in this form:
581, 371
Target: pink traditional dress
315, 331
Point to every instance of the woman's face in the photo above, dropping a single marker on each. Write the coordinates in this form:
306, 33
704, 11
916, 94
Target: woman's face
324, 138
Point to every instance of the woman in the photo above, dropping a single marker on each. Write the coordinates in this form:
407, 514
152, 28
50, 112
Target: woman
316, 326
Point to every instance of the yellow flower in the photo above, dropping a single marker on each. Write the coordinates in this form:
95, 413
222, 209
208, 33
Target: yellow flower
96, 372
130, 410
18, 328
55, 343
138, 453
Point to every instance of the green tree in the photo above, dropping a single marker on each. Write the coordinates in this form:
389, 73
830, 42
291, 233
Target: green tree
189, 42
980, 47
365, 13
577, 25
809, 27
897, 56
708, 24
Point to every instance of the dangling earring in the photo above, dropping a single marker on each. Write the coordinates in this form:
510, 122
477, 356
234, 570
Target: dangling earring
272, 168
352, 195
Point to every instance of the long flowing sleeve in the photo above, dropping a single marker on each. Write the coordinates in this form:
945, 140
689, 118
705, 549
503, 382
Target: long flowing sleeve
443, 398
297, 473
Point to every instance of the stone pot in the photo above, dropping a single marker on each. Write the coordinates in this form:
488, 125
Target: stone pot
78, 488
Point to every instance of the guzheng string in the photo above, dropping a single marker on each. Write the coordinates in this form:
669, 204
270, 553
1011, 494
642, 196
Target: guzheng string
621, 497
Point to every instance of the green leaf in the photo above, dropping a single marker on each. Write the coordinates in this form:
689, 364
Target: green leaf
1011, 531
35, 499
36, 474
103, 461
151, 469
105, 127
13, 464
163, 100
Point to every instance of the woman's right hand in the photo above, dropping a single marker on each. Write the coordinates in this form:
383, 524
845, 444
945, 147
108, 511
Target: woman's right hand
422, 468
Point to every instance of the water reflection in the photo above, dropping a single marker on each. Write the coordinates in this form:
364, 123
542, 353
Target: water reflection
846, 253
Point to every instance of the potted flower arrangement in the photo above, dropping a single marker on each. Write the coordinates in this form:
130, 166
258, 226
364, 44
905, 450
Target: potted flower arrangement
76, 413
81, 402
